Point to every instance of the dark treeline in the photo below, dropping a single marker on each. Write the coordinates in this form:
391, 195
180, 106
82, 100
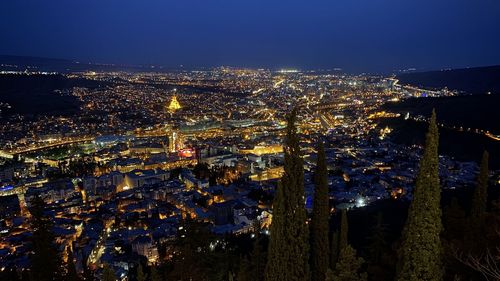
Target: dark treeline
451, 235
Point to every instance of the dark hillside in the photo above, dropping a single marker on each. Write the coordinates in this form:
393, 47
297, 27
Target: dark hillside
477, 80
38, 94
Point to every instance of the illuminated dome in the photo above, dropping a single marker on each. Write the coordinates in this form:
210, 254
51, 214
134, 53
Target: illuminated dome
174, 104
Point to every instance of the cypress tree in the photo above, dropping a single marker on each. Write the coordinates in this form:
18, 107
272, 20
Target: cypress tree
258, 260
380, 261
334, 249
339, 240
319, 224
454, 219
480, 197
348, 268
276, 260
377, 241
289, 243
344, 229
45, 260
477, 229
421, 249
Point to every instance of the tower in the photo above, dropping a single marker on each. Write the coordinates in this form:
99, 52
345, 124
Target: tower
172, 140
22, 205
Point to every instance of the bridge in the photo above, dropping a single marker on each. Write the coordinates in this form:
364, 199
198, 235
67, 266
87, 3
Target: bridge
49, 145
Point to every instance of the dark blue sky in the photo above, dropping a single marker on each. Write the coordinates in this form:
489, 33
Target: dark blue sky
357, 35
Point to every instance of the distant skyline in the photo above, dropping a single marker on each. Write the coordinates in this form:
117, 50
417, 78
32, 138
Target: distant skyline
355, 35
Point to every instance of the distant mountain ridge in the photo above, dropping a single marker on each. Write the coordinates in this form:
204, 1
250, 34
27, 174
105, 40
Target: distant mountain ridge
478, 110
30, 59
476, 80
22, 63
31, 95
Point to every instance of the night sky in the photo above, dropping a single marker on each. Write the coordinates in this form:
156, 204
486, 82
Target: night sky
356, 35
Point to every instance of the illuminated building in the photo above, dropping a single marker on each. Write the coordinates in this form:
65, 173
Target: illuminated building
175, 142
186, 152
174, 105
139, 178
172, 139
144, 246
268, 174
179, 144
263, 149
